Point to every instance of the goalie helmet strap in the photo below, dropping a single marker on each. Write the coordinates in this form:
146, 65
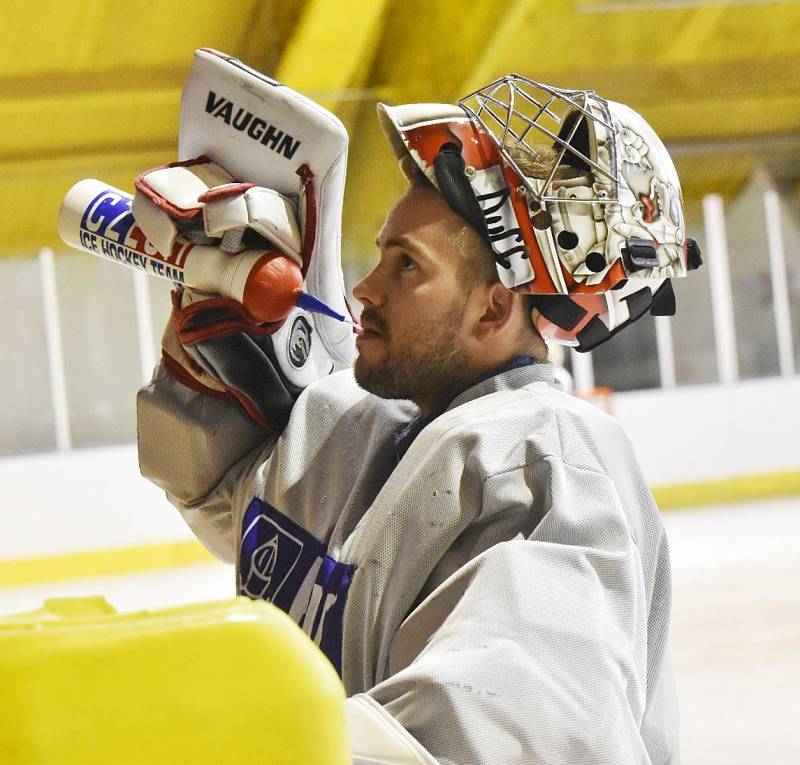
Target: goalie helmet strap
596, 332
693, 255
449, 167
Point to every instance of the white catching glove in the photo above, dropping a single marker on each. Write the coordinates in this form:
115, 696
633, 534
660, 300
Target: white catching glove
240, 189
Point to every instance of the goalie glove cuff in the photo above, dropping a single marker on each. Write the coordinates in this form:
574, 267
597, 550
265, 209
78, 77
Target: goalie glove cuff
211, 346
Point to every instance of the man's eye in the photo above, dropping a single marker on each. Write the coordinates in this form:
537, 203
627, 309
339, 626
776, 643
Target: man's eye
407, 263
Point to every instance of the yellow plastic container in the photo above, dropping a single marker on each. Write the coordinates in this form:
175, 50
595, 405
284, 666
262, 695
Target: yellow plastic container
228, 682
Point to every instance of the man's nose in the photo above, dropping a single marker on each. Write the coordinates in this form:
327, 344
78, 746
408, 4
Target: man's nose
368, 291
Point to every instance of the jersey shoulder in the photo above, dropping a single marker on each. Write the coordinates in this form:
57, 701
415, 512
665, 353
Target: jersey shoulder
339, 392
510, 428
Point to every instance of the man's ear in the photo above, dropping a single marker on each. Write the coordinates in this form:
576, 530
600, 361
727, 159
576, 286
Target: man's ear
497, 310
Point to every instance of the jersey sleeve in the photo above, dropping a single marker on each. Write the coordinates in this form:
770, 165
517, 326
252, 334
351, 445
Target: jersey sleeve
213, 461
536, 650
198, 449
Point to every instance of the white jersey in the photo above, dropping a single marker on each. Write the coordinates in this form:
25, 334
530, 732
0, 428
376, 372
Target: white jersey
500, 593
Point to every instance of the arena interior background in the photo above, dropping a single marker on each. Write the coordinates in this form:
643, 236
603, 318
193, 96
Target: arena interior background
709, 397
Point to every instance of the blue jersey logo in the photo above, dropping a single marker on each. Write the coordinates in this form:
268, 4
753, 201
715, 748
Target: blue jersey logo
281, 562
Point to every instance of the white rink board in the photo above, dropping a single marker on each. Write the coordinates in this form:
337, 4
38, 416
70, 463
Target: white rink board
86, 499
93, 499
708, 432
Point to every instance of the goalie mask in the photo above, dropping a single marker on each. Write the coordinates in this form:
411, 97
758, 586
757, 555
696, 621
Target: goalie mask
576, 197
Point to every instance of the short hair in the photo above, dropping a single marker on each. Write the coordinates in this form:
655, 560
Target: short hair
537, 162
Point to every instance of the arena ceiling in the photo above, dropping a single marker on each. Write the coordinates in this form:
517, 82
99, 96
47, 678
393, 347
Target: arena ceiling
91, 89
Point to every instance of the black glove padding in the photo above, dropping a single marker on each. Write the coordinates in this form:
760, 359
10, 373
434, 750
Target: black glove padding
213, 347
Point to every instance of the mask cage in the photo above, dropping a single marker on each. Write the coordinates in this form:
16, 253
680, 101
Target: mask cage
546, 135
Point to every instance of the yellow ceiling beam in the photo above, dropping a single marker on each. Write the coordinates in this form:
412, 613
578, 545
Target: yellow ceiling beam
720, 32
756, 78
51, 142
557, 36
431, 46
34, 189
66, 124
428, 48
551, 35
694, 100
721, 118
494, 59
122, 37
697, 31
330, 53
95, 91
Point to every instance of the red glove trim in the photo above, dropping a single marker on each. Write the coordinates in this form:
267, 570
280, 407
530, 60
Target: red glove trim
177, 372
144, 187
180, 375
240, 322
250, 408
233, 189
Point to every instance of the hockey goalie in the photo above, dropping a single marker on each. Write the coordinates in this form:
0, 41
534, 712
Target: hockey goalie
475, 551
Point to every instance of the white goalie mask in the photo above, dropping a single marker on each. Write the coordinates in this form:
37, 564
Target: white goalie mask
576, 196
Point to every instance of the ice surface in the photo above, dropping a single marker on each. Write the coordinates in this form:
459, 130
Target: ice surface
736, 631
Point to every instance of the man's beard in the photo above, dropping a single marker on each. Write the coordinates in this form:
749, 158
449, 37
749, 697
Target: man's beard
424, 367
